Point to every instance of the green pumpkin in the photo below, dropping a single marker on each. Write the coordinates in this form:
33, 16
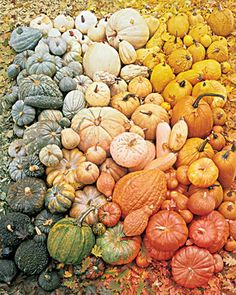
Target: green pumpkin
22, 75
63, 72
33, 167
67, 84
65, 122
41, 134
59, 62
16, 168
27, 195
117, 249
13, 70
99, 229
57, 46
23, 38
22, 114
51, 115
22, 58
76, 68
70, 240
73, 102
40, 91
18, 131
45, 220
11, 97
49, 281
8, 271
41, 63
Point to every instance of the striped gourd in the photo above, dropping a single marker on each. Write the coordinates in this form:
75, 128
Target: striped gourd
74, 102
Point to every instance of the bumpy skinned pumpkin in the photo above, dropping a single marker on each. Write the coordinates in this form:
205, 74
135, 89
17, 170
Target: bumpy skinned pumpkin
180, 60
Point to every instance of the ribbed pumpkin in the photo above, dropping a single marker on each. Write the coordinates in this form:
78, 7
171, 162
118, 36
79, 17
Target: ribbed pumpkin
114, 169
156, 254
41, 63
178, 25
125, 102
70, 240
73, 102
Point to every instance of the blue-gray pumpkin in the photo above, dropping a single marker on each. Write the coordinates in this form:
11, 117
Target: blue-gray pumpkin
12, 96
40, 91
16, 168
74, 102
13, 70
23, 38
67, 84
41, 63
18, 131
57, 46
22, 114
22, 75
76, 68
21, 58
63, 72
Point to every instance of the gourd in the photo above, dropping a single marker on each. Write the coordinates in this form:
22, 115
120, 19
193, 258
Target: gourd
162, 163
219, 116
191, 76
42, 47
16, 148
198, 30
210, 68
62, 73
13, 70
178, 25
218, 51
140, 86
116, 171
94, 269
67, 84
16, 168
41, 63
161, 75
180, 60
71, 36
152, 22
117, 249
73, 52
12, 96
50, 155
8, 271
23, 38
109, 214
22, 114
105, 184
127, 52
87, 172
49, 281
23, 74
178, 135
105, 122
33, 167
96, 154
82, 82
197, 51
98, 94
45, 220
42, 23
85, 20
171, 44
155, 98
18, 131
127, 24
76, 68
97, 33
50, 115
73, 102
129, 72
27, 195
138, 130
108, 57
105, 77
21, 58
128, 149
217, 141
228, 210
69, 138
70, 240
163, 131
63, 23
125, 102
57, 46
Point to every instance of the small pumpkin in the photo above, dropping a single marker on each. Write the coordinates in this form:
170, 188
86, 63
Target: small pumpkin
16, 148
217, 141
98, 94
49, 280
22, 114
73, 52
105, 184
116, 171
127, 52
125, 102
21, 58
87, 172
42, 22
57, 46
63, 23
99, 228
182, 175
41, 63
178, 25
172, 43
119, 86
45, 220
201, 203
33, 166
218, 51
109, 214
161, 75
228, 210
155, 98
96, 154
8, 271
180, 60
141, 86
97, 33
191, 76
156, 254
73, 102
50, 155
219, 116
69, 138
230, 195
197, 51
198, 30
195, 17
16, 168
85, 20
50, 115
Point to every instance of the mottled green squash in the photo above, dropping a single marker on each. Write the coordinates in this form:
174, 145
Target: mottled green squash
41, 63
22, 114
45, 220
22, 75
13, 70
11, 97
18, 131
50, 115
8, 271
49, 280
21, 58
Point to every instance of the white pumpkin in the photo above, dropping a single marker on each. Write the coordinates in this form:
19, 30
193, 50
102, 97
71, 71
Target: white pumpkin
101, 57
85, 20
54, 33
103, 22
73, 53
42, 46
71, 36
98, 94
127, 24
42, 23
119, 86
104, 77
83, 82
73, 102
127, 52
97, 33
63, 23
84, 39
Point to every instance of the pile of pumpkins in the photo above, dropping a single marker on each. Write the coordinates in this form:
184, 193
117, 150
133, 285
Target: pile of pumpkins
121, 143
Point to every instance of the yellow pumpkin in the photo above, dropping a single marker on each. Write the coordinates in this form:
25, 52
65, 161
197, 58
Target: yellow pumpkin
195, 18
125, 102
98, 94
197, 51
198, 30
225, 67
155, 98
140, 86
180, 60
210, 68
205, 40
153, 59
188, 40
218, 51
172, 44
161, 75
191, 76
178, 25
142, 53
156, 39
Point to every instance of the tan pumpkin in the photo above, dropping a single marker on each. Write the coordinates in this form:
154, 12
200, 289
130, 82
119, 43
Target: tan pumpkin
96, 154
228, 210
148, 116
127, 52
218, 51
138, 130
84, 200
50, 155
113, 169
87, 172
119, 86
162, 163
210, 68
197, 51
128, 149
155, 98
178, 25
125, 102
69, 138
105, 183
178, 135
180, 60
140, 86
163, 131
99, 125
98, 94
219, 116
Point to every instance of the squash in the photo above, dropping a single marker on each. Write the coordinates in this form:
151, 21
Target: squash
191, 76
63, 23
197, 51
85, 20
42, 46
171, 44
45, 220
163, 132
8, 271
98, 94
70, 240
138, 130
73, 53
57, 46
195, 17
178, 25
167, 231
13, 70
178, 135
16, 168
198, 30
217, 141
117, 249
219, 116
140, 86
143, 259
218, 51
109, 214
148, 116
59, 198
125, 102
22, 58
127, 52
230, 194
62, 73
66, 170
119, 86
33, 167
105, 77
152, 22
18, 131
22, 114
105, 184
71, 36
73, 102
228, 210
69, 138
155, 98
116, 171
192, 267
96, 154
42, 23
161, 75
129, 72
201, 203
162, 163
87, 172
128, 149
180, 60
97, 33
87, 198
127, 24
108, 57
156, 254
49, 280
16, 148
41, 63
50, 115
50, 155
210, 68
27, 195
105, 122
23, 38
132, 191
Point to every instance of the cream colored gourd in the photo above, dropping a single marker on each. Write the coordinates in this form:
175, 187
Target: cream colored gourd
141, 86
42, 23
50, 155
127, 24
97, 33
125, 102
87, 172
85, 20
119, 86
101, 57
69, 138
127, 52
71, 36
96, 154
98, 94
138, 130
163, 131
131, 71
105, 77
155, 98
128, 149
82, 82
178, 135
63, 23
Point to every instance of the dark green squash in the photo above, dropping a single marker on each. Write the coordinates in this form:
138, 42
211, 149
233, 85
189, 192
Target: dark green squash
41, 63
99, 228
31, 257
21, 58
40, 237
40, 91
45, 220
27, 195
49, 280
65, 122
92, 269
22, 114
33, 167
70, 240
8, 271
13, 70
11, 97
16, 168
63, 72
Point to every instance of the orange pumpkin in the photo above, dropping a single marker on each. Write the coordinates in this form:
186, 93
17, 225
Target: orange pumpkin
114, 169
172, 183
105, 183
230, 245
219, 263
143, 259
217, 141
187, 215
228, 210
201, 203
232, 228
230, 195
203, 172
219, 116
87, 172
125, 102
182, 175
156, 254
179, 199
141, 86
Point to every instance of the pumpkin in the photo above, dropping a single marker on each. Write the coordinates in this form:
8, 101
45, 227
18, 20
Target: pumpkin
62, 73
179, 199
180, 60
116, 248
128, 149
191, 76
228, 210
119, 86
181, 175
57, 46
195, 17
71, 36
221, 21
73, 102
232, 228
198, 30
27, 195
178, 135
138, 130
8, 271
33, 167
192, 267
127, 24
156, 254
13, 70
125, 102
23, 38
16, 168
67, 168
96, 154
50, 155
152, 22
226, 163
163, 132
148, 116
161, 75
42, 23
217, 141
49, 280
167, 231
50, 115
76, 68
98, 94
18, 131
87, 172
63, 22
197, 51
16, 148
97, 33
45, 220
105, 184
116, 171
70, 240
40, 91
108, 57
41, 63
201, 203
230, 195
218, 51
85, 20
73, 52
194, 149
85, 199
210, 68
69, 138
127, 52
162, 163
129, 72
178, 25
140, 86
132, 191
105, 122
42, 46
99, 229
12, 96
171, 44
176, 90
155, 98
219, 116
203, 172
143, 259
22, 114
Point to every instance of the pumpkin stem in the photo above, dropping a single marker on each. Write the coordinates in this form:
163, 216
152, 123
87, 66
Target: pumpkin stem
10, 228
82, 19
33, 168
233, 148
202, 145
149, 113
196, 102
182, 83
176, 36
215, 136
28, 191
96, 88
212, 186
127, 96
38, 231
82, 217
